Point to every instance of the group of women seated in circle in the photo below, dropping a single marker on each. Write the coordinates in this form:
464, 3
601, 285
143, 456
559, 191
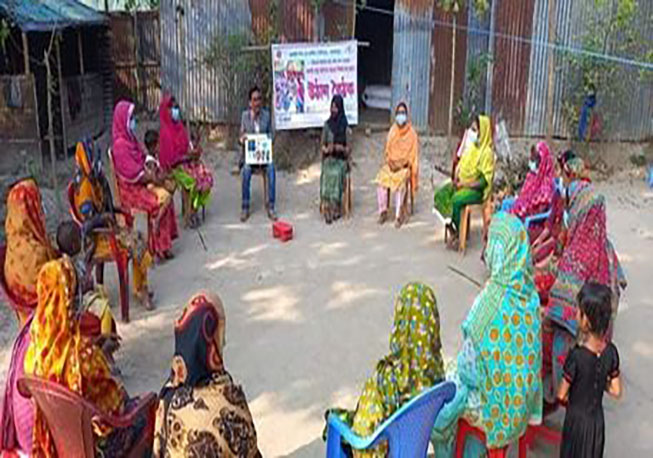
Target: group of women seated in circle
519, 352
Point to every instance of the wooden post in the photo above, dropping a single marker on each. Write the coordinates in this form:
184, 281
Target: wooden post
61, 98
80, 48
137, 66
48, 83
551, 83
453, 72
489, 77
26, 53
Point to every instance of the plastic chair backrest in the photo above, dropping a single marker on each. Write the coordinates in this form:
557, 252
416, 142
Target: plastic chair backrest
407, 431
14, 302
68, 415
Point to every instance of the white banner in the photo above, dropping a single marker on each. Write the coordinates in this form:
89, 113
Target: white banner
307, 76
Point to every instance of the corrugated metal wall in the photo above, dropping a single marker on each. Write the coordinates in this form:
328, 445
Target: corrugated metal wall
411, 57
440, 78
187, 30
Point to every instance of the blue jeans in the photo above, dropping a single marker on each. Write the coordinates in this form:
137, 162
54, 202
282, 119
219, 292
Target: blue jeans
247, 179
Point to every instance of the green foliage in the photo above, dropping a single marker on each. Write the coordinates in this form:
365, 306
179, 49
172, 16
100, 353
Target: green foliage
613, 28
131, 5
471, 102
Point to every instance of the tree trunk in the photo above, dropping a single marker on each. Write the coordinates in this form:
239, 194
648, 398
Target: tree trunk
453, 75
48, 83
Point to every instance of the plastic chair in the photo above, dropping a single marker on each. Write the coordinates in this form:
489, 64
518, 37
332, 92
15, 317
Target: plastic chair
347, 196
118, 255
534, 432
465, 222
70, 418
410, 194
263, 173
407, 431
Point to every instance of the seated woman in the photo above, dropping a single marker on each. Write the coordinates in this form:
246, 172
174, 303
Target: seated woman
413, 364
179, 157
536, 194
401, 165
498, 379
202, 412
129, 164
28, 246
335, 160
473, 179
93, 204
59, 353
588, 256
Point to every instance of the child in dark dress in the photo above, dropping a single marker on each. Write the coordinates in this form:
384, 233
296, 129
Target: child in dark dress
591, 368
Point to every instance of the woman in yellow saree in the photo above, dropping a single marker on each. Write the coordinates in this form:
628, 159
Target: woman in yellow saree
28, 246
472, 183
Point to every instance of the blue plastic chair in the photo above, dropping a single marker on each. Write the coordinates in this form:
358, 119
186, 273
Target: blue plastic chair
407, 431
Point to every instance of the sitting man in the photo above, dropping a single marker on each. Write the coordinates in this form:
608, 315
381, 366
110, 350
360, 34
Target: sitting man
256, 120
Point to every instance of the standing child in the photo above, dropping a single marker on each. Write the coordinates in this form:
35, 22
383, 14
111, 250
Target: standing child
591, 368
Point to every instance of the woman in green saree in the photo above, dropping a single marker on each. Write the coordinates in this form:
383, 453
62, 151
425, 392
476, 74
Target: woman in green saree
413, 364
473, 176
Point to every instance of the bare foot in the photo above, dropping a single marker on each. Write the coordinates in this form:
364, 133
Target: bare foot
147, 301
383, 217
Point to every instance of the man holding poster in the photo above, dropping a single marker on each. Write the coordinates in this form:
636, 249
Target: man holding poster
254, 123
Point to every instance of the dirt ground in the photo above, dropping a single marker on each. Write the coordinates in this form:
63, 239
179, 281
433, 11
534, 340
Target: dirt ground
308, 319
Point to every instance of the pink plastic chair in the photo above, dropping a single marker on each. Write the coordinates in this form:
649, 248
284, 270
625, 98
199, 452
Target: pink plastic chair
70, 418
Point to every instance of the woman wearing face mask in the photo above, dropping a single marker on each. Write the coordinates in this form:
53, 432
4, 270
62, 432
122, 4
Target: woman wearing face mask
588, 255
335, 159
181, 159
537, 192
401, 165
134, 187
473, 177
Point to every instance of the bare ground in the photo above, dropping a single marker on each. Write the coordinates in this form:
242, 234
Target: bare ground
307, 320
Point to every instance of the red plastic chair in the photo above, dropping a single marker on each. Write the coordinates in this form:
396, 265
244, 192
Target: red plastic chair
70, 418
118, 255
534, 432
464, 430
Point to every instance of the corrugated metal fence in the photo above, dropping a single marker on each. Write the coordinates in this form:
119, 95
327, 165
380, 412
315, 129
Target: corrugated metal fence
136, 51
188, 28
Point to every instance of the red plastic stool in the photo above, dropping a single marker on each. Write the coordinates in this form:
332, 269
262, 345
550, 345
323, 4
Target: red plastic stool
537, 431
465, 429
282, 230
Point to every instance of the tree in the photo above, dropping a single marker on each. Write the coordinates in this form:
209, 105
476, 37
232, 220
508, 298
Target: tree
613, 28
454, 7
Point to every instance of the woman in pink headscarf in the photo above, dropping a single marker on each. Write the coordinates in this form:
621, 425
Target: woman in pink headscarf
181, 159
536, 195
135, 187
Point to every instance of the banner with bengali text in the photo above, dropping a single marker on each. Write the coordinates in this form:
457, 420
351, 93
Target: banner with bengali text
306, 76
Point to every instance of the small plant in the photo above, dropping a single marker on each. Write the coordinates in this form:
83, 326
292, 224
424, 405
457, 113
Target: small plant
471, 102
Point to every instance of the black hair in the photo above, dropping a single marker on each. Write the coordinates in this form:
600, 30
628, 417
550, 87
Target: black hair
402, 104
477, 119
566, 156
151, 138
595, 302
253, 90
69, 238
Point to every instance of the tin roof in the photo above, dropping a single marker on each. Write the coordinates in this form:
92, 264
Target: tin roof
46, 15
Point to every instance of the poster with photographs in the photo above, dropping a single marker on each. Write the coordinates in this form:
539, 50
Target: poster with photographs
258, 149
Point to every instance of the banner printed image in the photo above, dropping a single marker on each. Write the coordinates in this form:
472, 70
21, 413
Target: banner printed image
289, 87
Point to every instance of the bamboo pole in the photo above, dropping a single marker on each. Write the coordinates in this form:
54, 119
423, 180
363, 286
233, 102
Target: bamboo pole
26, 53
551, 80
80, 49
48, 83
453, 74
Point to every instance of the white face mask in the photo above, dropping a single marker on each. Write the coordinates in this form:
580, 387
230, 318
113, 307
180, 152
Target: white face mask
472, 137
532, 165
401, 119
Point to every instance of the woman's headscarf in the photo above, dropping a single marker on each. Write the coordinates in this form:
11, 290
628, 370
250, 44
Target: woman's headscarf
174, 142
479, 159
504, 327
28, 246
128, 156
338, 123
413, 364
88, 198
402, 146
199, 336
537, 192
58, 353
588, 255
